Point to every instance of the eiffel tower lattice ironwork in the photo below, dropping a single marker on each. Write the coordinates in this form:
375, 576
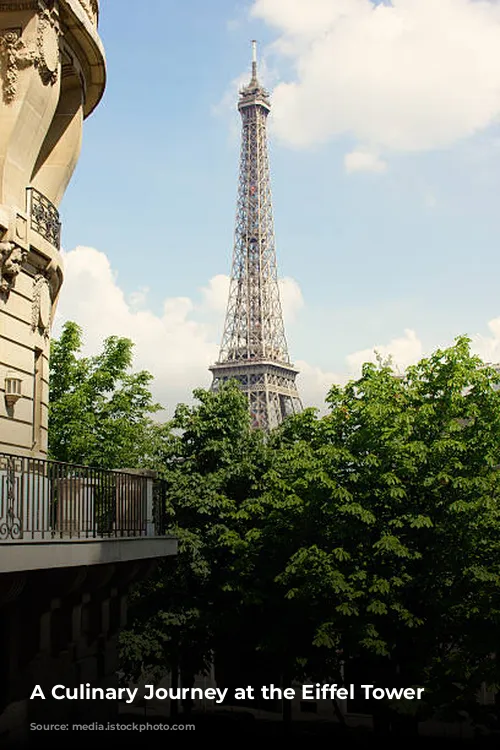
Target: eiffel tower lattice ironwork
254, 349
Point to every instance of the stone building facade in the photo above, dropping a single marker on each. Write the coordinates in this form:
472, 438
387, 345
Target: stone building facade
72, 539
52, 77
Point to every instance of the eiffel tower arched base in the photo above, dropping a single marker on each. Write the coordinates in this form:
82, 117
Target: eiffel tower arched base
270, 387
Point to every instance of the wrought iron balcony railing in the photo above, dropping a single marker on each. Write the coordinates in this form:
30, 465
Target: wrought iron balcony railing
42, 500
44, 217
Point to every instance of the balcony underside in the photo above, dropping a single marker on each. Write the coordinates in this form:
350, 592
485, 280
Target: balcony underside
55, 515
22, 556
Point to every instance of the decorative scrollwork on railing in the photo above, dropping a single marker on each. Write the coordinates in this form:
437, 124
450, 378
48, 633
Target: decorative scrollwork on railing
10, 523
44, 217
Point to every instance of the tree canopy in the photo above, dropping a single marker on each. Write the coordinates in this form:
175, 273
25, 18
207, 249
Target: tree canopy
100, 413
369, 533
212, 462
387, 511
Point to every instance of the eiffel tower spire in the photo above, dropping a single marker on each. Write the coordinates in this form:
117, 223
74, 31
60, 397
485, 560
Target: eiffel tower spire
254, 349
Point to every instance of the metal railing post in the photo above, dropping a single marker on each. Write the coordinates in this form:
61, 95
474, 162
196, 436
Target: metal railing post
150, 525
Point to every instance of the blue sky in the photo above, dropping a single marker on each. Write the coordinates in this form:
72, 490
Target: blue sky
385, 156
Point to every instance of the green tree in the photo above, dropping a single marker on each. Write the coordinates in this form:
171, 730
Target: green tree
100, 413
370, 533
212, 462
384, 518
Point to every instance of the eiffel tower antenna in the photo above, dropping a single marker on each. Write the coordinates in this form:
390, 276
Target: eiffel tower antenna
254, 349
254, 60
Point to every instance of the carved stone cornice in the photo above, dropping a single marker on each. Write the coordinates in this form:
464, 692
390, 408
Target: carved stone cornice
6, 5
91, 7
41, 51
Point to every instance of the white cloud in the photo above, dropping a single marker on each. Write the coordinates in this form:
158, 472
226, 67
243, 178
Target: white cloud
488, 347
139, 298
314, 383
404, 351
173, 346
291, 299
405, 75
363, 161
178, 345
216, 292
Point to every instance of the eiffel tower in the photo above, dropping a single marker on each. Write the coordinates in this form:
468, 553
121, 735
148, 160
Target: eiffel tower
254, 349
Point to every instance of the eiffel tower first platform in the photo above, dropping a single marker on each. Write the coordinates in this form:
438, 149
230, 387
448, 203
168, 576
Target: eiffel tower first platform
254, 349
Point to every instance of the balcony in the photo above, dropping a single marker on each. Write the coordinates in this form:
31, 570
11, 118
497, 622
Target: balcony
54, 514
44, 217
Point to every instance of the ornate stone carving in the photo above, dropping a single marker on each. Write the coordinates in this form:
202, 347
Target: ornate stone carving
5, 5
42, 52
91, 8
47, 59
15, 57
42, 306
12, 258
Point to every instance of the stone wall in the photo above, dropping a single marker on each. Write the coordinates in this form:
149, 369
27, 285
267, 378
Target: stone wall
52, 76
